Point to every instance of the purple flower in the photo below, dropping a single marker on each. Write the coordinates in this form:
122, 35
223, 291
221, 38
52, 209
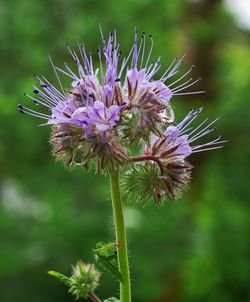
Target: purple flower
120, 103
97, 118
168, 172
138, 88
179, 141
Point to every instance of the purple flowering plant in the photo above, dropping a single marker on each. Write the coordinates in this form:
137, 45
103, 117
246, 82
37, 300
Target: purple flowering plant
119, 118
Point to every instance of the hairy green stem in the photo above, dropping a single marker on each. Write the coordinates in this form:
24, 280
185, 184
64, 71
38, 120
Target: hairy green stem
122, 253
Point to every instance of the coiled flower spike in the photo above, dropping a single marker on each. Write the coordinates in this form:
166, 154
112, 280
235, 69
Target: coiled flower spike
115, 99
166, 171
119, 104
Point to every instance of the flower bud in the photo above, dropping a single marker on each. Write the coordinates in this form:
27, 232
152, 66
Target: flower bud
146, 181
68, 144
84, 279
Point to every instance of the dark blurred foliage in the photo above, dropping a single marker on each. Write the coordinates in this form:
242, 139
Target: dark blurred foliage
194, 250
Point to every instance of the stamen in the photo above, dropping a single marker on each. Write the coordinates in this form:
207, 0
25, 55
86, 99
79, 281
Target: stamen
58, 79
191, 92
151, 49
183, 88
185, 131
46, 104
100, 61
143, 49
206, 132
208, 149
170, 66
201, 131
70, 51
91, 62
135, 55
102, 36
185, 74
183, 84
125, 61
45, 97
175, 68
198, 127
189, 118
70, 71
48, 88
85, 58
79, 66
82, 56
156, 67
214, 142
52, 91
29, 111
64, 72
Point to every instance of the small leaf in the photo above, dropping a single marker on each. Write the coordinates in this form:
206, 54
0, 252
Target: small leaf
61, 277
106, 257
106, 250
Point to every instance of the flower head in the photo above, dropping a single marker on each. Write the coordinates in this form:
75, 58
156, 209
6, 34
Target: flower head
165, 169
178, 141
83, 281
120, 96
118, 105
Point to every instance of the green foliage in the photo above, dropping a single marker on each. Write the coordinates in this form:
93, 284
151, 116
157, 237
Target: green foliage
106, 257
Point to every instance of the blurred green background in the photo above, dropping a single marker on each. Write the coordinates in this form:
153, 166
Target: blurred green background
194, 250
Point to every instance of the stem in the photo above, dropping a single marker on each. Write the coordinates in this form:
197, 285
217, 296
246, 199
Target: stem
122, 253
93, 297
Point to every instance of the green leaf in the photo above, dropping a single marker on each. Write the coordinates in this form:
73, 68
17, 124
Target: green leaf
61, 277
106, 249
106, 257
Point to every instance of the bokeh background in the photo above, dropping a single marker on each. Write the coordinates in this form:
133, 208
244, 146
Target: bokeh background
194, 250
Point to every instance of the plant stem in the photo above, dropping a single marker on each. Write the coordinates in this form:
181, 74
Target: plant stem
93, 297
122, 253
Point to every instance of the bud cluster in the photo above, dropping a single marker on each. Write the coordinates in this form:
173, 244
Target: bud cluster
83, 281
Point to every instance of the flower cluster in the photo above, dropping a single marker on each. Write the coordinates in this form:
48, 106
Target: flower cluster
120, 105
83, 281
